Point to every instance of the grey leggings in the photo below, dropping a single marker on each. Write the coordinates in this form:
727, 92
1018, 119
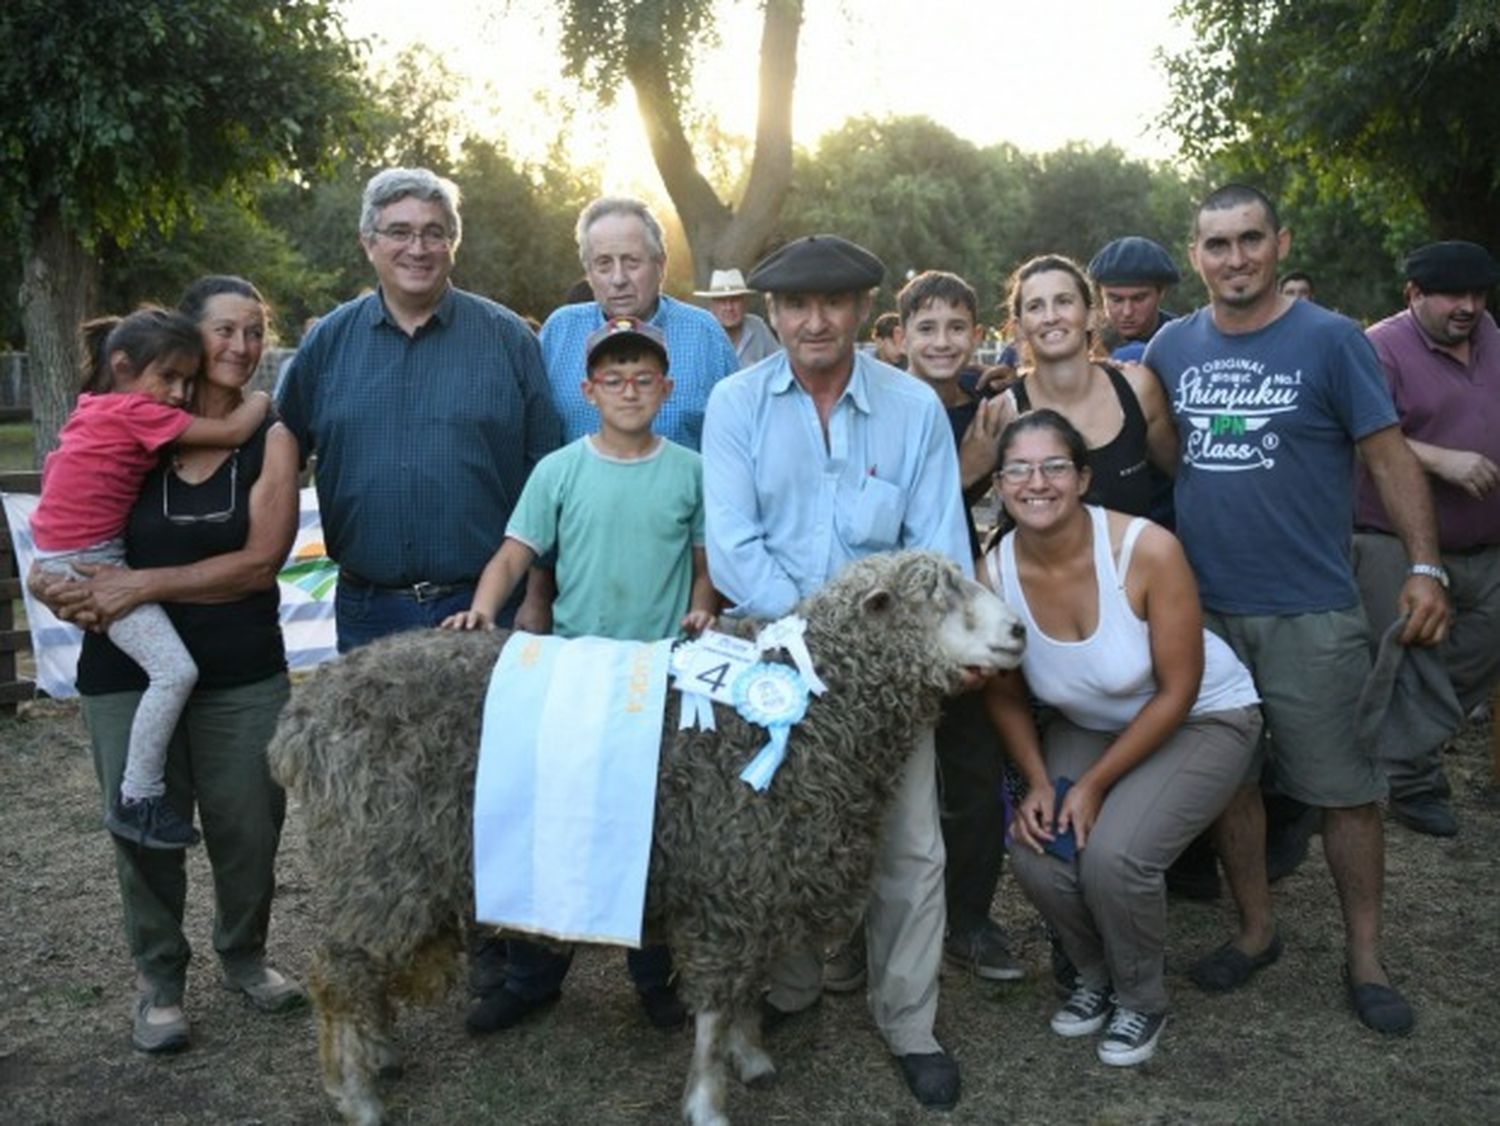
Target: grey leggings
147, 637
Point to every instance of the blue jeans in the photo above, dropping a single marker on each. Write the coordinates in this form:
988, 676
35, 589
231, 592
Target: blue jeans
533, 971
365, 614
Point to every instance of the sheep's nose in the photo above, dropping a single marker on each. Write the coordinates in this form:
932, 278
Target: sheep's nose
1018, 631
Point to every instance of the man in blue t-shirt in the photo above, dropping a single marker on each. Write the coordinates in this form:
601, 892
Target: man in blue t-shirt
1272, 398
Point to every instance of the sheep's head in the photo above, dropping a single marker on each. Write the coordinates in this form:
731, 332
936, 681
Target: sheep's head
971, 632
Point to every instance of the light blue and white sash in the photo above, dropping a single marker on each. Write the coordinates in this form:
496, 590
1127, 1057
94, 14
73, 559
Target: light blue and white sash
566, 786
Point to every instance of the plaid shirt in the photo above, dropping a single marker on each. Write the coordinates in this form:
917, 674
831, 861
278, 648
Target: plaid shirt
699, 355
424, 441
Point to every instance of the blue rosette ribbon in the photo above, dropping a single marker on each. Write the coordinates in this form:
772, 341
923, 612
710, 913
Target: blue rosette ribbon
775, 697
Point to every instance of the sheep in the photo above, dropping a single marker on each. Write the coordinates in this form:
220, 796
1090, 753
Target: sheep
380, 750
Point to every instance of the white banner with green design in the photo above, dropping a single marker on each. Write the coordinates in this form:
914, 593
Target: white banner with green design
307, 581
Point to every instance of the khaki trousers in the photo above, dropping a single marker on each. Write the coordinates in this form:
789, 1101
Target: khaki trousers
904, 919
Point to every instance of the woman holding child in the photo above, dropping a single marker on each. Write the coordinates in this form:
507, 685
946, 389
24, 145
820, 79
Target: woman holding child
1153, 724
205, 538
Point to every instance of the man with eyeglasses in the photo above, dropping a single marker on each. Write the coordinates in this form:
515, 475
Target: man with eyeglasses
427, 408
814, 457
624, 259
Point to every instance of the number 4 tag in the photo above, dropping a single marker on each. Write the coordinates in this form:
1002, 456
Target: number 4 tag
709, 665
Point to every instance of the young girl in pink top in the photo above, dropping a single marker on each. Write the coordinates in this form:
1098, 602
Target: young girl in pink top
138, 372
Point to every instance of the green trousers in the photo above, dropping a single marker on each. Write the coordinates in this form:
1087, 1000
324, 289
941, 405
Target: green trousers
216, 762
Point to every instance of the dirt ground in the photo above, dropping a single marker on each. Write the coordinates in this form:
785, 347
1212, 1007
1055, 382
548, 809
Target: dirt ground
1285, 1050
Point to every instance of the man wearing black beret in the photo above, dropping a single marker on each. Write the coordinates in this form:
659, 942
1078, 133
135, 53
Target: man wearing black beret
1133, 274
1441, 357
811, 458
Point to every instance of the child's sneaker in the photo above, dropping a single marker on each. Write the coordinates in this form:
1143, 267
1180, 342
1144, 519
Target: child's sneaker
150, 823
1131, 1038
1085, 1013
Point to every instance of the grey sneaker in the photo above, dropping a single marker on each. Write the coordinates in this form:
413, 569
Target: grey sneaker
267, 989
984, 952
844, 970
157, 1038
1084, 1013
1131, 1038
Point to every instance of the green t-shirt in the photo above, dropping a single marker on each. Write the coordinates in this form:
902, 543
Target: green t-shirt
624, 533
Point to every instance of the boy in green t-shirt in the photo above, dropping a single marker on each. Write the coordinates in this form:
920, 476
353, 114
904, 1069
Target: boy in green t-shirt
623, 508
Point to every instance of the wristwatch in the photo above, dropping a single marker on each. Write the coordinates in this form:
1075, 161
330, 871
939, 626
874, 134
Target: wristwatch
1431, 571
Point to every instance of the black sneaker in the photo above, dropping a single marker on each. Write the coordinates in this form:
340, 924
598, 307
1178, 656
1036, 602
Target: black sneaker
150, 823
501, 1009
664, 1009
1131, 1037
984, 952
1085, 1012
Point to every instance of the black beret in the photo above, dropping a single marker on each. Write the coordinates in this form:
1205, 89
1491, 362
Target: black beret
1133, 259
1451, 267
817, 264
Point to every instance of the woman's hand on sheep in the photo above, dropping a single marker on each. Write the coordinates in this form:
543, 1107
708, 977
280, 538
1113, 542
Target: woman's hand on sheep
467, 620
695, 622
1080, 809
1033, 824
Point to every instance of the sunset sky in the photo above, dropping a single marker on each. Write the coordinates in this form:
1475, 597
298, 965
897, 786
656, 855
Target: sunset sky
1036, 75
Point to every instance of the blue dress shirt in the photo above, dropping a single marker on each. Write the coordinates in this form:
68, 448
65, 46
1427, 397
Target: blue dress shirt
786, 511
423, 441
698, 356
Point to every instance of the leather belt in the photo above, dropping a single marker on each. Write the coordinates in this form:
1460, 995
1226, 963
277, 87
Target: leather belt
417, 592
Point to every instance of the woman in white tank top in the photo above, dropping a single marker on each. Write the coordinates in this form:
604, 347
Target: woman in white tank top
1154, 723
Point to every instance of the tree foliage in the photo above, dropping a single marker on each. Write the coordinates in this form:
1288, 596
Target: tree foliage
116, 115
1392, 104
923, 198
296, 237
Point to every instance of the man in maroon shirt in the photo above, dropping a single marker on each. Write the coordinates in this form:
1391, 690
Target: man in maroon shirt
1441, 356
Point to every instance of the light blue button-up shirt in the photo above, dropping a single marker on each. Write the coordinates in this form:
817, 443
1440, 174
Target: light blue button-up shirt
698, 356
786, 511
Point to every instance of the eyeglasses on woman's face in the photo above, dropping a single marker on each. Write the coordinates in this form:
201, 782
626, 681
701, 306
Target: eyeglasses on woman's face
1020, 472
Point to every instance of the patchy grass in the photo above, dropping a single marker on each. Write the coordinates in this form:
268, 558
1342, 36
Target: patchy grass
1284, 1050
16, 452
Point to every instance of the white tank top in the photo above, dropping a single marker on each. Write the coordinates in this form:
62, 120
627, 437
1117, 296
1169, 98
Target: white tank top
1103, 681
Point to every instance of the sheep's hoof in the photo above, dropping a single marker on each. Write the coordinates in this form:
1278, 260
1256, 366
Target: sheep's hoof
361, 1112
760, 1082
388, 1062
700, 1109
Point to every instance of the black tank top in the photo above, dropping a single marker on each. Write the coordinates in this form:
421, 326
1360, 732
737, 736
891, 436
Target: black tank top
233, 643
1123, 479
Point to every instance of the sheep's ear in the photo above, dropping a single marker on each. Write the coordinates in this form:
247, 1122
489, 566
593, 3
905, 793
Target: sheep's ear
877, 601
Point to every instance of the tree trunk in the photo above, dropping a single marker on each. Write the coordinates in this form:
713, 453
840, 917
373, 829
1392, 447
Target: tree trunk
59, 285
717, 235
